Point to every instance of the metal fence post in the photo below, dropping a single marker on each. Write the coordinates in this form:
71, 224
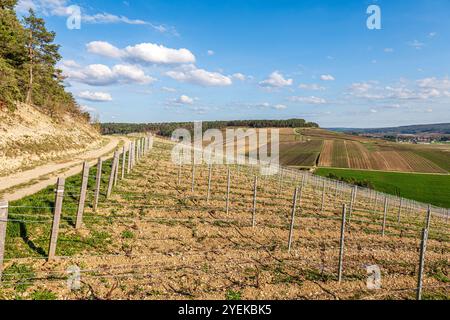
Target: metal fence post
3, 223
255, 190
193, 177
124, 157
81, 203
208, 196
291, 227
56, 218
342, 243
423, 248
386, 206
428, 221
98, 182
400, 210
112, 174
323, 197
227, 209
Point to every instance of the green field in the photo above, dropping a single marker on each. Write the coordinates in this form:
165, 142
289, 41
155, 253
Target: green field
428, 188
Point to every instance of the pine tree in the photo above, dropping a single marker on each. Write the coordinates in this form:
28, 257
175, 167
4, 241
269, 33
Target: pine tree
42, 52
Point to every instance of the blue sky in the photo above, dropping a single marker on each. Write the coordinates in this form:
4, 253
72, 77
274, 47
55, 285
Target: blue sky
153, 61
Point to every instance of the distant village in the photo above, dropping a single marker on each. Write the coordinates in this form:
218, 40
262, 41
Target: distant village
429, 138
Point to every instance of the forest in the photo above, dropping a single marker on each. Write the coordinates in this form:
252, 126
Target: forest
28, 59
166, 129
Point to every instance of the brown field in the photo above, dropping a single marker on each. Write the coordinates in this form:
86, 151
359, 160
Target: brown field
345, 151
326, 159
165, 242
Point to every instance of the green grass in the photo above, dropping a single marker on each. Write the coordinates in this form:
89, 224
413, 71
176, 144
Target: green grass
428, 188
30, 220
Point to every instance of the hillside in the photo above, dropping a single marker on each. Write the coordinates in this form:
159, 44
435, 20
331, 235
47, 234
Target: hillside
30, 137
441, 128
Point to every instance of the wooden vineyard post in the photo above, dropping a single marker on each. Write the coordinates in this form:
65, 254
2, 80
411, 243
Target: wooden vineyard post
423, 248
124, 157
56, 218
255, 190
112, 174
342, 243
81, 203
3, 223
208, 195
227, 209
323, 197
98, 182
291, 227
386, 207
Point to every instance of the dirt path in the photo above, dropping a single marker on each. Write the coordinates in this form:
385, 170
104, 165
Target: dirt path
28, 182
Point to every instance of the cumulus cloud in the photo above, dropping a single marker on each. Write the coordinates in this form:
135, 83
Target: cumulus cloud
422, 89
239, 76
158, 54
104, 48
95, 96
191, 74
210, 53
327, 77
102, 75
279, 107
308, 100
184, 99
312, 87
142, 53
276, 80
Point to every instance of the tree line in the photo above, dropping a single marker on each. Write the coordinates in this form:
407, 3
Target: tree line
166, 129
28, 59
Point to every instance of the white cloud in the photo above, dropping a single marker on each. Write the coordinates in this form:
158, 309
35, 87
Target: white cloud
239, 76
184, 99
416, 44
101, 75
210, 53
86, 108
153, 53
432, 34
95, 96
61, 8
313, 87
191, 74
168, 89
308, 100
276, 80
105, 49
142, 53
70, 64
279, 107
388, 50
327, 77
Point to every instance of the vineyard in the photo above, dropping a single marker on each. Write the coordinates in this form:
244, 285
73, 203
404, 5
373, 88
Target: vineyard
139, 226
